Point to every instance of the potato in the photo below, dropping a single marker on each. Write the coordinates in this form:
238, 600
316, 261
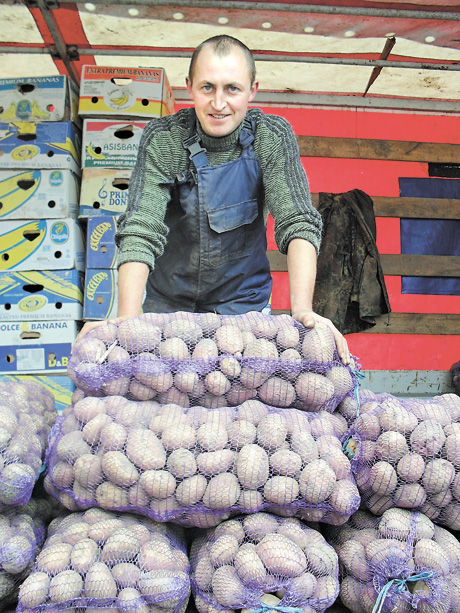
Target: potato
272, 431
118, 469
110, 496
88, 408
404, 525
88, 471
223, 549
281, 556
158, 483
222, 492
367, 426
217, 383
66, 585
241, 432
251, 501
62, 474
438, 476
383, 478
341, 379
213, 462
121, 546
313, 390
252, 466
136, 335
290, 364
281, 490
409, 496
395, 417
238, 394
391, 447
316, 482
34, 591
191, 490
212, 436
410, 467
185, 437
276, 391
318, 344
253, 411
182, 463
54, 559
229, 340
227, 588
427, 438
186, 382
184, 327
84, 554
71, 446
353, 557
92, 429
344, 498
428, 554
303, 444
452, 449
285, 462
99, 582
249, 566
288, 337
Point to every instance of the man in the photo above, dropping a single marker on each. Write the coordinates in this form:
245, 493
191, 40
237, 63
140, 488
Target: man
193, 236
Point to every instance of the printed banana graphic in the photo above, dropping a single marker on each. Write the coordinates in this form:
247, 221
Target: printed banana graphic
121, 101
18, 244
16, 190
10, 113
38, 112
68, 146
97, 156
52, 284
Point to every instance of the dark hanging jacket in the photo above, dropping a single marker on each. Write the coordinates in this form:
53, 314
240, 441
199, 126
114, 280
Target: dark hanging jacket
350, 287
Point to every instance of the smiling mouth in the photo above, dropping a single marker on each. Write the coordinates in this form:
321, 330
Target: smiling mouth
215, 116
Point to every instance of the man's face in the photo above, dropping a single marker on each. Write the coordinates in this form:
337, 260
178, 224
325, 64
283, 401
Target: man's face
221, 90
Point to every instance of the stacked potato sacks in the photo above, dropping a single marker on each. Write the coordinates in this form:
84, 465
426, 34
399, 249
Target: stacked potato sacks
400, 562
407, 455
97, 560
208, 432
261, 561
27, 412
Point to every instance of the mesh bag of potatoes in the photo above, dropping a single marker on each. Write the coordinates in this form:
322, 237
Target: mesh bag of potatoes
399, 562
406, 454
196, 466
100, 561
213, 360
259, 561
22, 532
27, 412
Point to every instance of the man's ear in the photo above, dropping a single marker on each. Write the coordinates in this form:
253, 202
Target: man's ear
254, 88
189, 87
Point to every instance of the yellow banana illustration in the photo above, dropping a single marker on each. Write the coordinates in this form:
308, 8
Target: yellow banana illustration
18, 244
16, 190
68, 146
10, 113
38, 112
97, 156
52, 283
120, 101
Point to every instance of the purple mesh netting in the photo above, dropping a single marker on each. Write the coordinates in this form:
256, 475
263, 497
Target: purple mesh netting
197, 466
407, 455
103, 560
401, 561
257, 560
210, 360
27, 411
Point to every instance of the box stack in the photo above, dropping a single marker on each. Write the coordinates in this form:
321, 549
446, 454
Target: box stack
115, 105
42, 249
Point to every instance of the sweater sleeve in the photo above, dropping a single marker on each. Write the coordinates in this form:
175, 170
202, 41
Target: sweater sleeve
141, 234
287, 194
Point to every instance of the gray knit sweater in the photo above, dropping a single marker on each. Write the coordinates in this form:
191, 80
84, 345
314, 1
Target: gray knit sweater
142, 232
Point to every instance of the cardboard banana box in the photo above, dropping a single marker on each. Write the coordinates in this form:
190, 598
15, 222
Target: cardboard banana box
46, 244
120, 91
53, 98
38, 194
101, 250
110, 144
101, 294
30, 146
35, 347
41, 295
104, 191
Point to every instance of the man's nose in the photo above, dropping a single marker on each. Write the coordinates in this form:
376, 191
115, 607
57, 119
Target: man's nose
219, 100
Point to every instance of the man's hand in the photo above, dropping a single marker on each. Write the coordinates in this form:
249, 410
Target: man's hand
92, 325
309, 319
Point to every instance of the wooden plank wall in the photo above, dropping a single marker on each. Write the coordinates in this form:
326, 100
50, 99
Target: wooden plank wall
390, 145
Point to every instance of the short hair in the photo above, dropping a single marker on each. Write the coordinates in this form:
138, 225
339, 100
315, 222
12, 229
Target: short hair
222, 45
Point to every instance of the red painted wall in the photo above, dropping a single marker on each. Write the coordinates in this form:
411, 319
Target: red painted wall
379, 178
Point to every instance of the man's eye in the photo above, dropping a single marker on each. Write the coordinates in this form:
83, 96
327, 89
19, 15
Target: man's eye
207, 88
233, 88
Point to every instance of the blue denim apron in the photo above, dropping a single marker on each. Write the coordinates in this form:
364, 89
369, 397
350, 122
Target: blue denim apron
215, 256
